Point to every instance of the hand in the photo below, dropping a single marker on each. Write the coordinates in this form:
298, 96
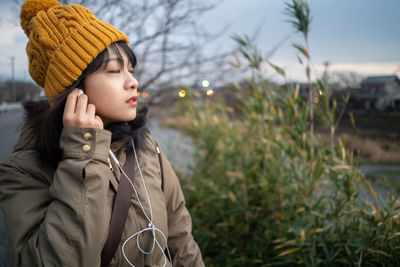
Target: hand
78, 113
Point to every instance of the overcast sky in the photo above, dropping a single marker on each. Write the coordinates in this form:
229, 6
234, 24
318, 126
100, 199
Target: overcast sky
353, 35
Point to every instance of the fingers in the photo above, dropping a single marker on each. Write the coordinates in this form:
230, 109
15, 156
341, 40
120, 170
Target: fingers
81, 104
71, 102
91, 110
91, 113
99, 122
78, 113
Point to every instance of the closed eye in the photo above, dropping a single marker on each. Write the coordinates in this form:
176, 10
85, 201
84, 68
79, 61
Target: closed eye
114, 71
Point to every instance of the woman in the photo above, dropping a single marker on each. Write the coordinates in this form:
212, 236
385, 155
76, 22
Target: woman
59, 186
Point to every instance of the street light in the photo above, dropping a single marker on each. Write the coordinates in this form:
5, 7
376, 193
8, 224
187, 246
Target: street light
205, 83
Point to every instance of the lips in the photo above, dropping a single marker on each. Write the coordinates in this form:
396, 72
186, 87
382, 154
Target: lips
131, 100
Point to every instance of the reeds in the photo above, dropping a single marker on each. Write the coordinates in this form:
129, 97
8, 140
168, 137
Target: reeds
265, 191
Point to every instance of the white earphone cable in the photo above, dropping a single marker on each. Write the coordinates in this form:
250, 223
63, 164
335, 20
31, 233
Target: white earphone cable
150, 226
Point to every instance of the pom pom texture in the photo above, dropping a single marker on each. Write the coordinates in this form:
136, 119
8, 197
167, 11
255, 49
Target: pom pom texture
31, 8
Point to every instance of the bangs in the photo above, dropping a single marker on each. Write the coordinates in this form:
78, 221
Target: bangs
102, 59
116, 48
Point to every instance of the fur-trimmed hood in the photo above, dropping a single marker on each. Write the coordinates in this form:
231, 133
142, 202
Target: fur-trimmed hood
42, 129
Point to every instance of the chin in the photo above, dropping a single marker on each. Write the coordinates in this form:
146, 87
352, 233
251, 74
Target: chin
131, 117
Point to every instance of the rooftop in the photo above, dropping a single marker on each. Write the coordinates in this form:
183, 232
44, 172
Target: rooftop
379, 79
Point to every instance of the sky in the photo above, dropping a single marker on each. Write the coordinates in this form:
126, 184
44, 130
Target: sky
361, 36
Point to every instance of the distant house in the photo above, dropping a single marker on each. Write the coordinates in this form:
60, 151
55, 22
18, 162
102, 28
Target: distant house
377, 93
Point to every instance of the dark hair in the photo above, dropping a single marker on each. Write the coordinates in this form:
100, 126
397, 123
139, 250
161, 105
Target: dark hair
45, 121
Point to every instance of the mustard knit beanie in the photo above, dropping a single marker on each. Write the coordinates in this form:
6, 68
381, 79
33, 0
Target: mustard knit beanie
63, 40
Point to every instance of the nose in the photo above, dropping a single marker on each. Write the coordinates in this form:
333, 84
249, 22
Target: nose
131, 82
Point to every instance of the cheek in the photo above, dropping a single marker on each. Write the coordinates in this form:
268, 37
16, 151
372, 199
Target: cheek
96, 91
101, 102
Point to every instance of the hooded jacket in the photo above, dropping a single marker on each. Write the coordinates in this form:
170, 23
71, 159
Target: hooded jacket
60, 217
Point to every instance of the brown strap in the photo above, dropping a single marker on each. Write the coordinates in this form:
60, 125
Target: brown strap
120, 211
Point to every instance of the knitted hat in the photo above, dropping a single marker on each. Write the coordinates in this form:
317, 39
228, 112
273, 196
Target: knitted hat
63, 40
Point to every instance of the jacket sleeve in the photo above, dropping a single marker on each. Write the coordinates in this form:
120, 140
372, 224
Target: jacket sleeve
63, 222
184, 250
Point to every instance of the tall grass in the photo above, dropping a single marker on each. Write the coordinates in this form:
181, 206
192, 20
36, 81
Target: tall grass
266, 191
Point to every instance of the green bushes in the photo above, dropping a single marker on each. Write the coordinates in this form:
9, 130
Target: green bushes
266, 191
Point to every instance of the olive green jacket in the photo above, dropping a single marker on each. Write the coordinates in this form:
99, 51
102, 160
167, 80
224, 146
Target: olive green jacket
60, 217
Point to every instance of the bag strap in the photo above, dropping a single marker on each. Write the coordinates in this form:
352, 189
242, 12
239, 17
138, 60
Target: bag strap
120, 211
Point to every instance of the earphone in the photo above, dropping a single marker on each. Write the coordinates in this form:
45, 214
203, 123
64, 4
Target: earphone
150, 226
80, 92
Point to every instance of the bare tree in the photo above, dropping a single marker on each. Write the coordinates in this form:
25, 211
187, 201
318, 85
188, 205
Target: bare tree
166, 37
345, 79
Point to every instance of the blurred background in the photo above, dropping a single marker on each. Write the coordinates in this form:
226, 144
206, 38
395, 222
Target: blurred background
338, 60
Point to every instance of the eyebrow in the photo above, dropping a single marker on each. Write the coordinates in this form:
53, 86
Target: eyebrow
110, 59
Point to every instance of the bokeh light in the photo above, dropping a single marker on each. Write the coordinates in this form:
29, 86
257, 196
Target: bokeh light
182, 93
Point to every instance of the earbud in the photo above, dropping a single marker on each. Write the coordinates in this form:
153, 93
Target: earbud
80, 92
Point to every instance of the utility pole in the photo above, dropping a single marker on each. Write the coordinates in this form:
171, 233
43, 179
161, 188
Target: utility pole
14, 93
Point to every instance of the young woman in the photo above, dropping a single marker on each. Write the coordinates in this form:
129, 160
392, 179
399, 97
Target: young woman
58, 188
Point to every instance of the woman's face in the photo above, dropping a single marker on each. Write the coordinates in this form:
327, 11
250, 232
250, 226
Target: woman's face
113, 89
